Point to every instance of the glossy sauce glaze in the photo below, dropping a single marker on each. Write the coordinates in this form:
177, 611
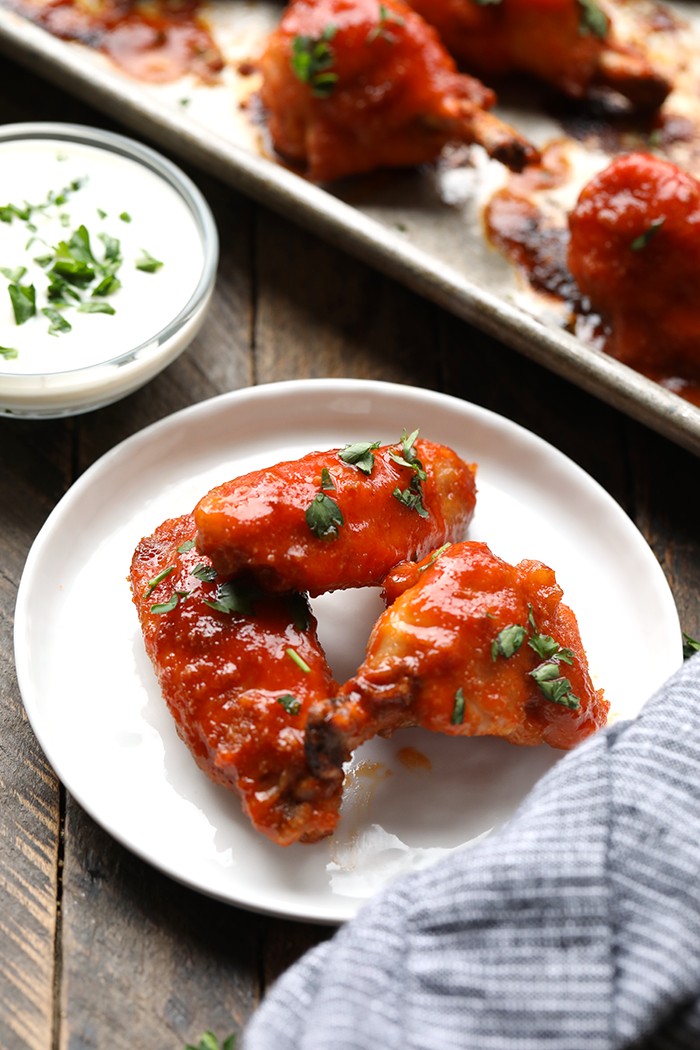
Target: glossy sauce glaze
263, 522
637, 304
237, 681
469, 645
153, 40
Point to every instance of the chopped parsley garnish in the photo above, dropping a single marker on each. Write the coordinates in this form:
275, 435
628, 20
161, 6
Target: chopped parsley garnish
232, 597
552, 684
8, 352
290, 703
690, 645
360, 455
185, 547
208, 1041
206, 573
457, 717
386, 16
147, 263
76, 275
311, 62
58, 321
166, 607
508, 641
639, 243
324, 517
434, 557
298, 660
23, 299
327, 483
411, 497
124, 216
152, 584
592, 19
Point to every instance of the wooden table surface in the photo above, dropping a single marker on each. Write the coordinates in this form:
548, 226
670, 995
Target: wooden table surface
97, 949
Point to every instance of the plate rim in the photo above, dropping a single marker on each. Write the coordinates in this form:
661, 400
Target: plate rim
261, 392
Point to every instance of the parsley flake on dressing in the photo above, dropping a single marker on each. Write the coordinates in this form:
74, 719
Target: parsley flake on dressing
311, 61
69, 272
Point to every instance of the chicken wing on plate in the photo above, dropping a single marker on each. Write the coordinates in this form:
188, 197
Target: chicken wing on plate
354, 85
338, 519
569, 44
470, 646
238, 670
635, 252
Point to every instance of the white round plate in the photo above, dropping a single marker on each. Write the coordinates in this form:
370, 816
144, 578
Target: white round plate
95, 707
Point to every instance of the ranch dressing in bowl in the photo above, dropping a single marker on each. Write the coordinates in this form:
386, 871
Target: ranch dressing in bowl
108, 256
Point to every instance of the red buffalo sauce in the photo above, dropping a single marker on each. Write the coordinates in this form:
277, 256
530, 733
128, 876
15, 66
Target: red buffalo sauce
153, 40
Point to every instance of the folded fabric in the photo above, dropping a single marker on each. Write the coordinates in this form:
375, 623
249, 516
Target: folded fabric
575, 927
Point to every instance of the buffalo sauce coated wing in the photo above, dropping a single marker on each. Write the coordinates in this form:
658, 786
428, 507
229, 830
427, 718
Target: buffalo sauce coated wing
568, 44
238, 670
354, 85
469, 646
338, 519
635, 252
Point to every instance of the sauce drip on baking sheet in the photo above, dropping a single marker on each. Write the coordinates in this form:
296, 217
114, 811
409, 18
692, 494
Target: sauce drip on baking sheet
534, 237
152, 40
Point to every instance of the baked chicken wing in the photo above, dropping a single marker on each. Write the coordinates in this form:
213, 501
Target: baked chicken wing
338, 519
634, 251
469, 646
238, 669
569, 44
354, 85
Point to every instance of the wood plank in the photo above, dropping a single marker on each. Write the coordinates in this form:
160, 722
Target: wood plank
32, 479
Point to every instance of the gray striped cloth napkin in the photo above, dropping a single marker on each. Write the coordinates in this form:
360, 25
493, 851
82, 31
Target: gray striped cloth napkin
575, 927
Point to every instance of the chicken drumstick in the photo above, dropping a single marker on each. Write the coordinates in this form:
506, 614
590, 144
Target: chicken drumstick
569, 44
470, 646
354, 85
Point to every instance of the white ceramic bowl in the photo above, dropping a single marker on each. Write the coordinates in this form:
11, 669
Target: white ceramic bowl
122, 193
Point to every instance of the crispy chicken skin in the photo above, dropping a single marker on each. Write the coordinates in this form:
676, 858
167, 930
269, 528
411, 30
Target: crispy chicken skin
354, 85
271, 522
634, 251
239, 699
565, 43
445, 656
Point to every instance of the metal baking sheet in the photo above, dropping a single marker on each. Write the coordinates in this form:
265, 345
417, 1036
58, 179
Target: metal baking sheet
421, 227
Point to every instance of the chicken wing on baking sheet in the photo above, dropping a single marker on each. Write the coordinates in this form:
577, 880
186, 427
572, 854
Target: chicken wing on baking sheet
470, 646
354, 85
569, 44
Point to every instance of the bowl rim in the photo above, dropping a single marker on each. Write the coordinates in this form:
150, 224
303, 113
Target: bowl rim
124, 146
